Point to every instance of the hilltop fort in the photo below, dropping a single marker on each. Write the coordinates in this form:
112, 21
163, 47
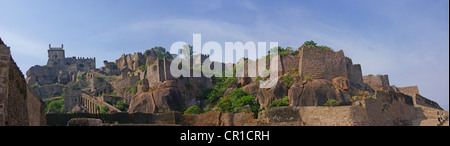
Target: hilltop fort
316, 86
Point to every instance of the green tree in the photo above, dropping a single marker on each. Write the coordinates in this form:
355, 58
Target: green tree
230, 81
310, 43
246, 100
237, 99
237, 93
161, 52
56, 106
225, 104
193, 110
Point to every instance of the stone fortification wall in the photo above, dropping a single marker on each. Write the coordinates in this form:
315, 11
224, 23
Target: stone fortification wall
319, 63
387, 109
19, 106
378, 82
423, 101
410, 90
118, 118
159, 72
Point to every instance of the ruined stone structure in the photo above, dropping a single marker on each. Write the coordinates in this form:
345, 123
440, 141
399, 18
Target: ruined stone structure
410, 90
159, 72
93, 104
378, 82
19, 106
309, 79
59, 69
418, 99
381, 83
319, 63
56, 58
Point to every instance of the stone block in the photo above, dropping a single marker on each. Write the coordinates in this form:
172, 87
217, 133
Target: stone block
84, 122
4, 56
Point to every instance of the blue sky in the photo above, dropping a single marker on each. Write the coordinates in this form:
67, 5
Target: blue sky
406, 39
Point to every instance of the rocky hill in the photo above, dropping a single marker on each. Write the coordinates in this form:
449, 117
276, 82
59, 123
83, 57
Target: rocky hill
314, 81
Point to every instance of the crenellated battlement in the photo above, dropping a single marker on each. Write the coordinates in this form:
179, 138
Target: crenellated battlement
56, 58
55, 48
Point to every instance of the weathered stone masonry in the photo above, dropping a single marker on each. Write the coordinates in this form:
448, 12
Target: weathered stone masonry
19, 106
326, 64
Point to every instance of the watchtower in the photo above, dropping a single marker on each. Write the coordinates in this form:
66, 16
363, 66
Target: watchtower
56, 56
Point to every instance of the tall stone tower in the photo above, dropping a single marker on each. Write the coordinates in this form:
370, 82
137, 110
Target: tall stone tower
55, 56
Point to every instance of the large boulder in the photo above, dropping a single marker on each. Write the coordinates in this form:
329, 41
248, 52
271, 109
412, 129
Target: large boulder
64, 77
79, 109
315, 93
162, 100
266, 96
42, 75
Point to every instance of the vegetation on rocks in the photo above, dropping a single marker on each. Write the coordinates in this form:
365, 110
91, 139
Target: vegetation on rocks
312, 43
332, 102
237, 99
280, 102
193, 110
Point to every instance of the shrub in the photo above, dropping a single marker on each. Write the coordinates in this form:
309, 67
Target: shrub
225, 104
35, 86
193, 110
307, 78
237, 93
104, 110
246, 100
237, 99
288, 80
324, 47
280, 102
122, 106
216, 93
230, 82
82, 76
143, 67
259, 78
56, 106
187, 84
207, 108
312, 43
133, 90
99, 79
361, 93
332, 102
221, 84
